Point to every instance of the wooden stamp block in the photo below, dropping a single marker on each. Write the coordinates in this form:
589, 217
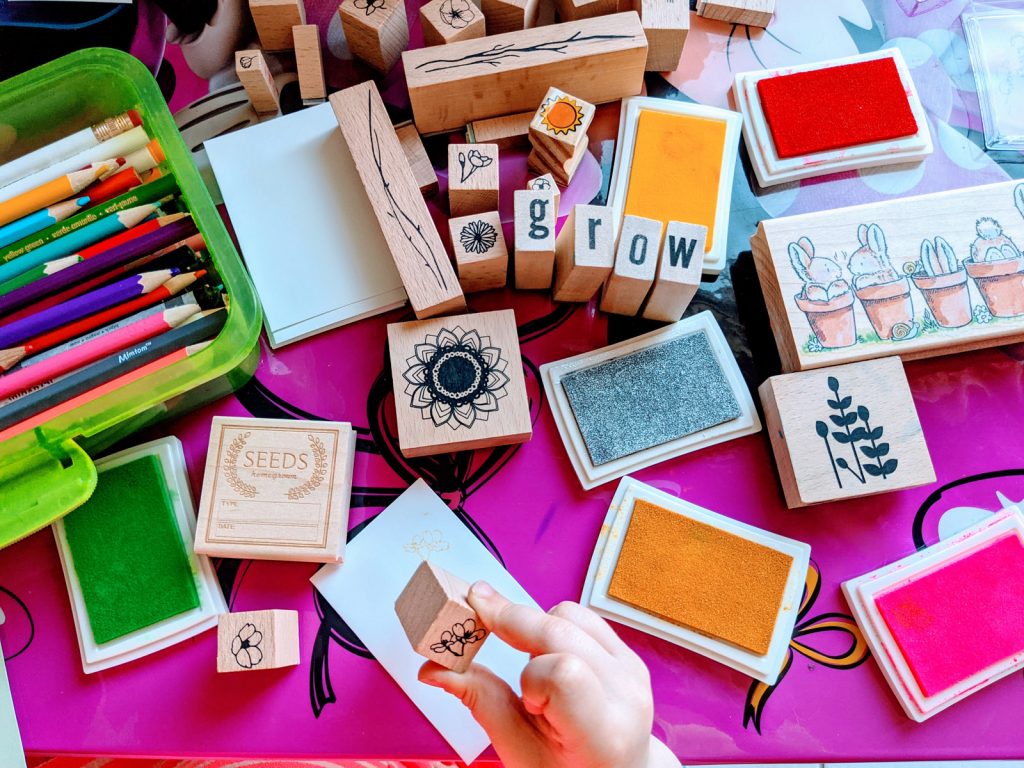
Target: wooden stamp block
309, 63
252, 70
584, 253
535, 238
915, 277
597, 60
416, 154
560, 123
546, 181
666, 23
755, 13
679, 270
377, 31
572, 10
458, 383
276, 490
506, 131
846, 431
446, 21
510, 15
480, 251
541, 160
438, 621
472, 178
257, 640
636, 263
406, 223
274, 20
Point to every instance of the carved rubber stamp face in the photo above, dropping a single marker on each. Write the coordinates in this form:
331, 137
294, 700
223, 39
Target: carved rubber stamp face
539, 230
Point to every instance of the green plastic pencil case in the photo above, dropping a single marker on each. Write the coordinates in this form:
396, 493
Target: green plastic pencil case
47, 472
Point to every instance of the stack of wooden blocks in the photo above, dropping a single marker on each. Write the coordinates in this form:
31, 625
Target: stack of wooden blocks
558, 135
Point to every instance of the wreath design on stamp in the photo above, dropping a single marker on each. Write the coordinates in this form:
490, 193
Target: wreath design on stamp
319, 450
238, 485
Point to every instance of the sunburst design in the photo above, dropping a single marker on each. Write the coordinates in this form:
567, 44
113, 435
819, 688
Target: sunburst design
563, 115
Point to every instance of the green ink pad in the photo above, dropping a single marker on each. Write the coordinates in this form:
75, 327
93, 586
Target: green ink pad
127, 552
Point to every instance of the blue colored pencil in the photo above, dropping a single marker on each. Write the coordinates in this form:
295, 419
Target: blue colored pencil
41, 219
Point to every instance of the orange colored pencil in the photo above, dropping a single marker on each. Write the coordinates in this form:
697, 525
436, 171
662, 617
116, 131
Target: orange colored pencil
52, 192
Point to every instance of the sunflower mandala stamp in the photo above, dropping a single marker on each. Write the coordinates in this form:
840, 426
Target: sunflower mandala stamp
481, 255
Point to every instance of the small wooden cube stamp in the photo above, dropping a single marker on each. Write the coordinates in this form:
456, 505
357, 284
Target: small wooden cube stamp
274, 20
535, 238
252, 70
276, 490
472, 178
510, 15
437, 619
845, 431
666, 24
447, 21
257, 640
546, 181
679, 272
377, 31
416, 154
560, 124
309, 63
480, 251
584, 253
636, 264
458, 383
755, 13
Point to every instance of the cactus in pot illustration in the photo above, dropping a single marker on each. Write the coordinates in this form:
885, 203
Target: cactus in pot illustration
826, 298
942, 280
883, 292
997, 266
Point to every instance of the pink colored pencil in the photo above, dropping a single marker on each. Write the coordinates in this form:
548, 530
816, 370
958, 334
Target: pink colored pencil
91, 351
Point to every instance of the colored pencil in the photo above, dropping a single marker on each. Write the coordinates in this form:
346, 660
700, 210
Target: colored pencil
104, 262
38, 273
118, 184
118, 146
34, 222
94, 350
75, 319
62, 149
82, 306
97, 232
147, 193
145, 159
51, 192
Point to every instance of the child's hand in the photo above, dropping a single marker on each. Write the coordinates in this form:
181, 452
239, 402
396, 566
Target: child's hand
586, 699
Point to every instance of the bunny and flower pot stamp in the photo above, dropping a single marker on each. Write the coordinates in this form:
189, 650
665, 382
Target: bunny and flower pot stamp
915, 277
276, 490
256, 640
472, 178
440, 624
845, 431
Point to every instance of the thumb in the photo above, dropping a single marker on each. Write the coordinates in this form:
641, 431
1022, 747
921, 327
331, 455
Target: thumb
489, 699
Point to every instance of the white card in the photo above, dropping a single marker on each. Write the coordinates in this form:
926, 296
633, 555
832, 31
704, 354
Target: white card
305, 225
379, 563
11, 753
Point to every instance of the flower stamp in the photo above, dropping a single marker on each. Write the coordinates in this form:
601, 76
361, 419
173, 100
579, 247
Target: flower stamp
457, 14
455, 640
478, 237
245, 646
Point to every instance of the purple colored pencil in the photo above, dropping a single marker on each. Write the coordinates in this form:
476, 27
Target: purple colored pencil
83, 306
97, 265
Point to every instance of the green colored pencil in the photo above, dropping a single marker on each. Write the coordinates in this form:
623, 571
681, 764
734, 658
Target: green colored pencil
36, 273
147, 193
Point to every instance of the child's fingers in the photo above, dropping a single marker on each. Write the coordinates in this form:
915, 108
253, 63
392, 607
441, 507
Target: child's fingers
491, 701
565, 691
595, 626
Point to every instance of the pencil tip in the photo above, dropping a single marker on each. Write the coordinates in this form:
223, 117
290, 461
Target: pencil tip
11, 357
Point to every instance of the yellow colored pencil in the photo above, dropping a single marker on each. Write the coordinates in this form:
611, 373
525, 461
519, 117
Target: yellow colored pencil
52, 192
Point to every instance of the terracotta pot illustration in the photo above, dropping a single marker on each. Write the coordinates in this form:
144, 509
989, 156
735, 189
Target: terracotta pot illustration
1001, 284
889, 308
832, 321
947, 297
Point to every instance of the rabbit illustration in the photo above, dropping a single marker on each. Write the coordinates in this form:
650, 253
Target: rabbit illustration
992, 244
823, 278
870, 263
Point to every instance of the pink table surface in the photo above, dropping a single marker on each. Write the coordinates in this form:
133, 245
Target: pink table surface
525, 502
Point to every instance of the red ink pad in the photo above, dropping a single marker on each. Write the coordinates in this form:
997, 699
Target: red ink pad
836, 107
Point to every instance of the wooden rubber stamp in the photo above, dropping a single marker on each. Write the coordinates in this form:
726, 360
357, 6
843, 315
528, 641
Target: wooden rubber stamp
506, 131
309, 63
510, 15
755, 13
636, 264
447, 21
256, 640
597, 60
560, 124
679, 270
846, 431
377, 31
573, 10
546, 181
666, 23
534, 238
458, 383
406, 223
252, 70
274, 20
416, 154
584, 253
542, 161
276, 490
481, 255
472, 178
438, 621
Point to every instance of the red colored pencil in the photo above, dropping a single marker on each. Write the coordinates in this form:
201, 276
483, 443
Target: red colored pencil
113, 186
